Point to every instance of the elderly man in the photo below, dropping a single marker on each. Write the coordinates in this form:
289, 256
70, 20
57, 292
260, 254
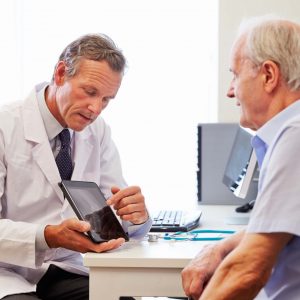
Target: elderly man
266, 84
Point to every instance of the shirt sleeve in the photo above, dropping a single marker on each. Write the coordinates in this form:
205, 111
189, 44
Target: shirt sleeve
137, 232
277, 205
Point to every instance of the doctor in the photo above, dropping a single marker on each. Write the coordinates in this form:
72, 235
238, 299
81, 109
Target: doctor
41, 241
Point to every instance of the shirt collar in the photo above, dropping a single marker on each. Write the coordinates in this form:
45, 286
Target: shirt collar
52, 126
270, 129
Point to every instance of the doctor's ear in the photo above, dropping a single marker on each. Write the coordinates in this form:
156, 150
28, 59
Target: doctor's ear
271, 75
60, 73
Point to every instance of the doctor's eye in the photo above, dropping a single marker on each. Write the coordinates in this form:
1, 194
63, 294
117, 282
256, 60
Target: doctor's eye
90, 92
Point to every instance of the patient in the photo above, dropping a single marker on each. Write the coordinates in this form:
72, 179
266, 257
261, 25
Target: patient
265, 63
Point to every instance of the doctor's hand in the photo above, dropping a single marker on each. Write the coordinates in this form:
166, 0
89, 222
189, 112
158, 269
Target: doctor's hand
129, 204
70, 235
198, 272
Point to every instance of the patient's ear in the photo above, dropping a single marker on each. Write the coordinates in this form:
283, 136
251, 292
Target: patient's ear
271, 75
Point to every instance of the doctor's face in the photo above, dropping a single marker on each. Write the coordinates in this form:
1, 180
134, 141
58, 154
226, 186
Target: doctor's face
80, 99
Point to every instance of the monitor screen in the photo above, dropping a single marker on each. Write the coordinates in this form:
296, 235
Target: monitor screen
241, 172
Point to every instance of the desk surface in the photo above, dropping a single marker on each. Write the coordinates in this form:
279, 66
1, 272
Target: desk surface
151, 268
170, 253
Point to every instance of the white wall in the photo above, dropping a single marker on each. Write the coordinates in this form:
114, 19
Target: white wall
169, 87
155, 117
231, 12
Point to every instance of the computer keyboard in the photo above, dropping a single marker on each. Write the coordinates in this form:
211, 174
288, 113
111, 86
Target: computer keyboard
174, 220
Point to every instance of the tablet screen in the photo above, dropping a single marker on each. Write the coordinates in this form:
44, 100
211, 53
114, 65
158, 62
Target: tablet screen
89, 204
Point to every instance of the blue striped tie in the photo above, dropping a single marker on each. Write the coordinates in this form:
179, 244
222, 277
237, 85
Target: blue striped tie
63, 159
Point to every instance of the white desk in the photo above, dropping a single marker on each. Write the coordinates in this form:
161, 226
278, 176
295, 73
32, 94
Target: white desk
149, 268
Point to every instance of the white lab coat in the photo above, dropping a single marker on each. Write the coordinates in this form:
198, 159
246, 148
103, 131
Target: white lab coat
30, 195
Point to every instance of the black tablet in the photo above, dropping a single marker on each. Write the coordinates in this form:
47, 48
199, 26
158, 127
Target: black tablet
89, 204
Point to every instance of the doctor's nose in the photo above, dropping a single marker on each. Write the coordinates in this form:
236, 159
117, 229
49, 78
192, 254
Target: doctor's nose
96, 107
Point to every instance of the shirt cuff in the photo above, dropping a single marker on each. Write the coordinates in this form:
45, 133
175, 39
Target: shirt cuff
40, 242
138, 232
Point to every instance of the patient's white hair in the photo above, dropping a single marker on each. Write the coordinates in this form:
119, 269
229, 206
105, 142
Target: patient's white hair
276, 39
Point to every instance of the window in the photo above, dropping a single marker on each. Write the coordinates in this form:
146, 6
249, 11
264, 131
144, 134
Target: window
169, 87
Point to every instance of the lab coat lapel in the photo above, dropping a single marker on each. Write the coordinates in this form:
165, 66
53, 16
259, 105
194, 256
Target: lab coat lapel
44, 157
34, 132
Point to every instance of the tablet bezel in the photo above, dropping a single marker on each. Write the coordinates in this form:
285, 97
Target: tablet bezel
67, 185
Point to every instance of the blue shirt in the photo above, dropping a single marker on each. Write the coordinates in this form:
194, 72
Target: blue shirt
277, 207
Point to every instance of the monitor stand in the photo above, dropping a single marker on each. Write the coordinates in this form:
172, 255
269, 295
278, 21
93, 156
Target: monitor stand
241, 215
246, 207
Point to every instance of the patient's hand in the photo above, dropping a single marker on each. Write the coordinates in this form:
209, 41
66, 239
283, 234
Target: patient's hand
198, 272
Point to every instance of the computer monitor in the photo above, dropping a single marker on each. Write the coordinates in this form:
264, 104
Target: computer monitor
241, 171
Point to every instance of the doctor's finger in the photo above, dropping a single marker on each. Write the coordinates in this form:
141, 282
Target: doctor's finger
136, 200
130, 208
109, 245
115, 189
121, 194
77, 225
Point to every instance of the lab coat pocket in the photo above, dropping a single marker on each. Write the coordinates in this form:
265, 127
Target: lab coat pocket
20, 170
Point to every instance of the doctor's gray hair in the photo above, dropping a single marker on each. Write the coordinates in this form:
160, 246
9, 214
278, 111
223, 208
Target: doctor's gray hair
97, 47
275, 39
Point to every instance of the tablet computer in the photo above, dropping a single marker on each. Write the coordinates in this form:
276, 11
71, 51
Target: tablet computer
89, 204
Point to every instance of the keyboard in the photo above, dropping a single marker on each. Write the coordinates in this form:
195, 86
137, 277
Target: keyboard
174, 220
